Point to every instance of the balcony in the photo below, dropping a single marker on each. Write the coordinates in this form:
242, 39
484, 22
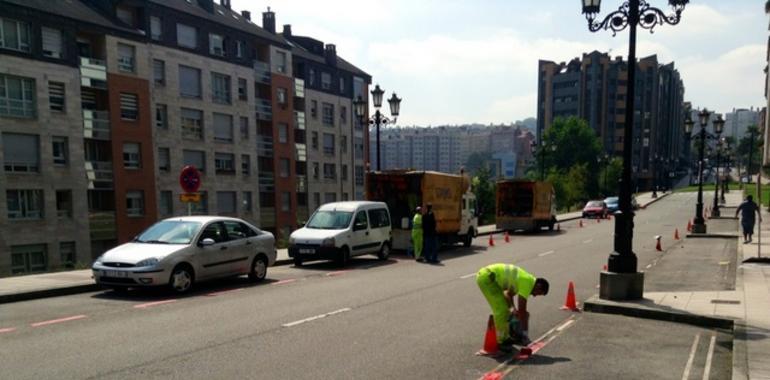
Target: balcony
299, 88
264, 110
301, 184
267, 217
93, 73
266, 182
299, 120
301, 152
96, 125
99, 174
262, 72
264, 146
102, 225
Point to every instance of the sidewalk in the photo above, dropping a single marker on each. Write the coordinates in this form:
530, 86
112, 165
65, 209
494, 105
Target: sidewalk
20, 288
744, 310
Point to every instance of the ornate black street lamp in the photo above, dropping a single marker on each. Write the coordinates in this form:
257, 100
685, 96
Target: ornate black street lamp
622, 281
604, 159
378, 118
715, 206
699, 226
542, 148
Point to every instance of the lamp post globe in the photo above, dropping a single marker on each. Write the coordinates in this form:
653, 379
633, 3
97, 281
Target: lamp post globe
378, 119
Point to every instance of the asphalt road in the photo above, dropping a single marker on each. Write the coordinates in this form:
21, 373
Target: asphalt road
396, 319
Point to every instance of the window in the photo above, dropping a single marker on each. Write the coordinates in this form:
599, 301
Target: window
189, 82
17, 96
317, 199
379, 218
247, 201
326, 81
125, 15
345, 197
343, 114
126, 54
52, 42
244, 128
164, 159
358, 148
64, 204
328, 114
67, 254
216, 44
14, 35
330, 171
328, 144
166, 203
285, 201
132, 158
21, 152
226, 202
192, 124
128, 106
283, 133
284, 167
314, 140
223, 127
161, 116
344, 174
135, 203
316, 170
314, 109
159, 72
24, 204
224, 163
156, 28
220, 88
281, 96
245, 164
311, 77
60, 150
56, 96
359, 173
186, 36
243, 91
344, 144
195, 158
29, 258
342, 85
332, 197
239, 49
281, 64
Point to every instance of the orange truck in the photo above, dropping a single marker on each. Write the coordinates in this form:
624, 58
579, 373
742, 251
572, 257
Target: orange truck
454, 205
525, 205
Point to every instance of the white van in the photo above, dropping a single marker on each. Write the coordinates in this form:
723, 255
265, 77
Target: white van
341, 230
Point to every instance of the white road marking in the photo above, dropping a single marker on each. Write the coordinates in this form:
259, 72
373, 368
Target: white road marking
468, 276
151, 304
688, 367
587, 241
301, 321
707, 370
545, 253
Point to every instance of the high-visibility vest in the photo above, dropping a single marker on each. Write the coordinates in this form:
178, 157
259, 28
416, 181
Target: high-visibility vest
513, 278
417, 222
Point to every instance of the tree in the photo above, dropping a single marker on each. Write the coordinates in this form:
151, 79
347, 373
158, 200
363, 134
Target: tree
612, 172
744, 148
485, 188
576, 184
575, 141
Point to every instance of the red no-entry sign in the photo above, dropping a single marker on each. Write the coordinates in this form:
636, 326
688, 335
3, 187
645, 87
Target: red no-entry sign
190, 179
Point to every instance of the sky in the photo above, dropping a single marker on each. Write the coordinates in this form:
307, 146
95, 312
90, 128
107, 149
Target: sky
475, 61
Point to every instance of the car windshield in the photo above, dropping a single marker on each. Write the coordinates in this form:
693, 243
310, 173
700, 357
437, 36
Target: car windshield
330, 220
169, 232
611, 200
595, 204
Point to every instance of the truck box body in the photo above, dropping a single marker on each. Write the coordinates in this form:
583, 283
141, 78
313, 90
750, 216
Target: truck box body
525, 205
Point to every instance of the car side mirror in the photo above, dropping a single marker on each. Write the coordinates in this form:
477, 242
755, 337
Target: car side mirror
359, 226
207, 242
302, 224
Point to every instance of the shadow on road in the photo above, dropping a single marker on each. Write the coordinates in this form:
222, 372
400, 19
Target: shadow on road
544, 360
158, 293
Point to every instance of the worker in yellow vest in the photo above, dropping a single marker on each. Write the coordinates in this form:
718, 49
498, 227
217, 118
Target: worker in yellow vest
500, 283
417, 233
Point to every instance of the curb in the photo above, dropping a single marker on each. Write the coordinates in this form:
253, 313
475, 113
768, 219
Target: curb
46, 293
500, 231
279, 263
599, 306
712, 236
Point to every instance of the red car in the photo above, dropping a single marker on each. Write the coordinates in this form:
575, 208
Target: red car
595, 209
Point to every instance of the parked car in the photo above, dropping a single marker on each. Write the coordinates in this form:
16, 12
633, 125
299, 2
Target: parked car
179, 252
595, 209
613, 204
341, 230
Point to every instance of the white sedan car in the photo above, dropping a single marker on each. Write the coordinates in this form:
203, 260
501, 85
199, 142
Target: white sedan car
181, 251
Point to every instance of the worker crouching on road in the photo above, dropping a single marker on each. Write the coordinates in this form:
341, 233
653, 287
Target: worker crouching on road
499, 283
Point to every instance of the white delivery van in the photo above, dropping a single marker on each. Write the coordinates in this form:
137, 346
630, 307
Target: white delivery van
338, 231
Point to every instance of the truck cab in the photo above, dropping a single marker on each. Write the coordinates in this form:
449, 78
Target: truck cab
469, 220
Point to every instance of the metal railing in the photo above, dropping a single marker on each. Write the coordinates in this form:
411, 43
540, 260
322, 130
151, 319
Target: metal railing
96, 124
299, 88
262, 72
102, 225
264, 146
264, 110
93, 72
299, 120
266, 182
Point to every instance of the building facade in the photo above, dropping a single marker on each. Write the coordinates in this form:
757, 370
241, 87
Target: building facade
738, 121
103, 103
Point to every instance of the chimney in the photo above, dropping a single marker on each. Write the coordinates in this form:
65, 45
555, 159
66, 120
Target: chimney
331, 55
225, 3
268, 21
246, 15
287, 30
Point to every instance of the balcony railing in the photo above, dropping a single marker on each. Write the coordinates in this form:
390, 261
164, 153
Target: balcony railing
301, 184
299, 88
96, 124
267, 217
262, 72
264, 110
99, 174
264, 146
93, 73
299, 120
266, 182
102, 225
301, 152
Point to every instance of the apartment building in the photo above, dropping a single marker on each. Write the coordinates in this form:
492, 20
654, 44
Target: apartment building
102, 104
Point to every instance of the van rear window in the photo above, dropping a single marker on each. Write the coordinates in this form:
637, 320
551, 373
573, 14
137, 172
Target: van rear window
379, 218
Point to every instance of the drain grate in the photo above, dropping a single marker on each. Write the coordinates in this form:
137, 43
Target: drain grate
727, 302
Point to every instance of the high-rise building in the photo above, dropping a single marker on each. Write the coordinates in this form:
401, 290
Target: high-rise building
594, 88
739, 120
103, 102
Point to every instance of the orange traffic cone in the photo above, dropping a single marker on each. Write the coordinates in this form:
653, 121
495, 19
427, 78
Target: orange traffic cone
490, 339
491, 241
689, 225
507, 237
569, 303
676, 234
657, 245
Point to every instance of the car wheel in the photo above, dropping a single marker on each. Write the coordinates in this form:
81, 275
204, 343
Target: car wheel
468, 239
297, 261
344, 257
384, 252
258, 269
182, 279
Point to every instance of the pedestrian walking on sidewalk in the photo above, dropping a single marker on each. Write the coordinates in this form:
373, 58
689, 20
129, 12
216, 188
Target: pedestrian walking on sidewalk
429, 234
500, 283
747, 210
417, 234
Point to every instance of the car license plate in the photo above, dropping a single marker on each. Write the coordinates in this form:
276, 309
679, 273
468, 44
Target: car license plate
307, 251
114, 273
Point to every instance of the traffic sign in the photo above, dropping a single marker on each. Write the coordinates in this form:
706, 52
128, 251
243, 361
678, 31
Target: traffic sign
190, 197
190, 179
